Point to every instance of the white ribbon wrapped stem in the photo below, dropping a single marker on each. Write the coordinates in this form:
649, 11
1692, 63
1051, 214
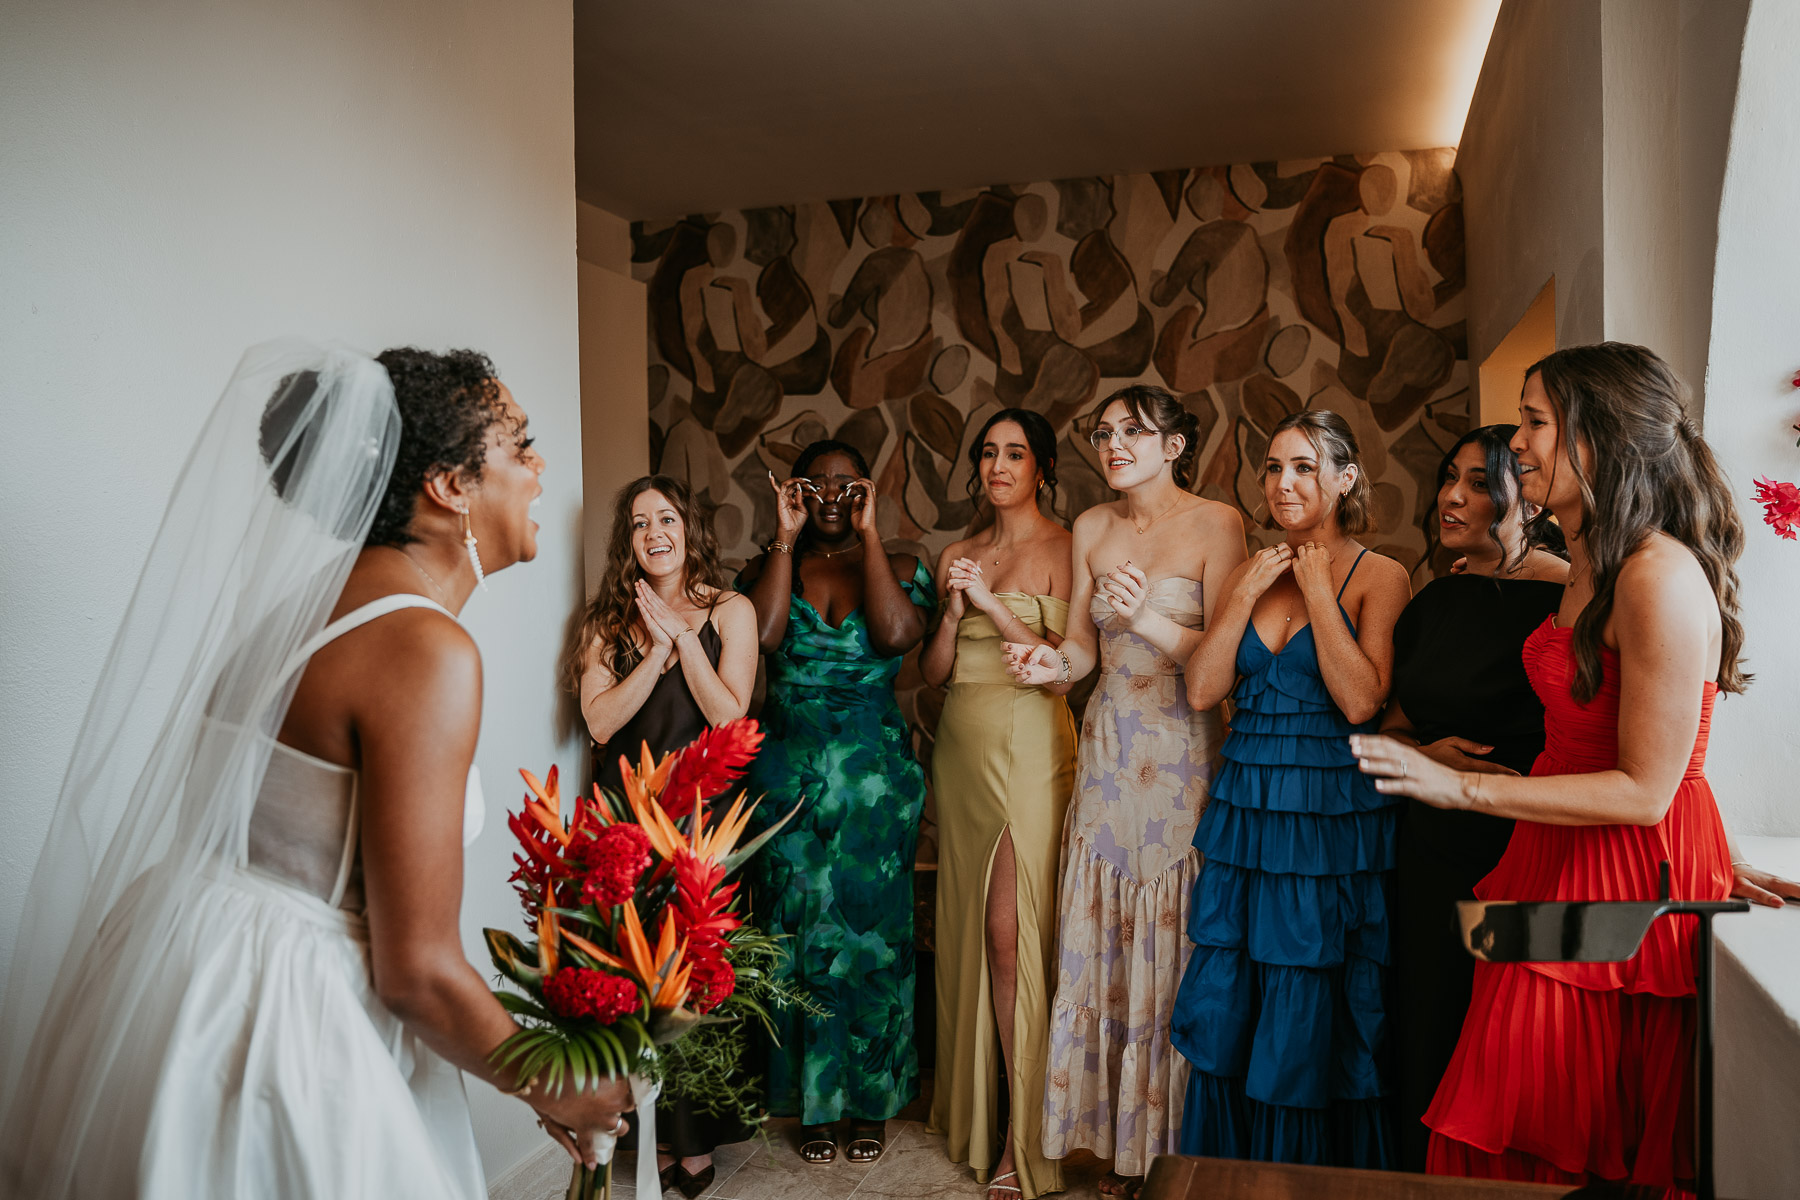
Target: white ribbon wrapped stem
643, 1094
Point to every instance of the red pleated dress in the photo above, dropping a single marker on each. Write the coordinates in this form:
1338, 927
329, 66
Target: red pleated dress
1579, 1072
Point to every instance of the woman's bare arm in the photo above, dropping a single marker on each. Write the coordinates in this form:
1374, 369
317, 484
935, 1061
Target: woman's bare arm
1663, 614
607, 701
938, 659
723, 693
1357, 669
416, 716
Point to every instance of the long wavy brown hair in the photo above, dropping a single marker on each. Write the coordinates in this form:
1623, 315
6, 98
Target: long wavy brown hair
611, 625
1646, 469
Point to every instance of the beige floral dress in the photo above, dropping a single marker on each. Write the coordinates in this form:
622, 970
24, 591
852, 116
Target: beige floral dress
1114, 1084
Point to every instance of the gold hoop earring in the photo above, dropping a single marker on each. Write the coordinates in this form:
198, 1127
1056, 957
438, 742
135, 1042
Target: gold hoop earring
469, 544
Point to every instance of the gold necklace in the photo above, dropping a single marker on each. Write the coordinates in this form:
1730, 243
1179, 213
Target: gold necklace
1159, 516
835, 553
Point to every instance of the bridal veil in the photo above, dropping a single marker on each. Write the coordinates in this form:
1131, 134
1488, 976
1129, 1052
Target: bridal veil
266, 519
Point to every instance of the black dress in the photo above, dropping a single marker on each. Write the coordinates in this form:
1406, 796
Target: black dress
669, 720
1457, 673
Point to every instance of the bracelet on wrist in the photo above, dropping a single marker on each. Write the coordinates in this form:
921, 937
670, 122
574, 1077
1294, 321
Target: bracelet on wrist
780, 547
1067, 674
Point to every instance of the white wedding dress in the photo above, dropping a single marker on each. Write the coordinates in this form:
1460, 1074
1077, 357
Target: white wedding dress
261, 1062
189, 1012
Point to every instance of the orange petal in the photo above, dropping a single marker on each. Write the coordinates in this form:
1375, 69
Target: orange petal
594, 952
547, 935
636, 948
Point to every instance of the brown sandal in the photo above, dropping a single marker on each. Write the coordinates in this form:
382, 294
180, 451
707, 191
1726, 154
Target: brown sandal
868, 1139
817, 1145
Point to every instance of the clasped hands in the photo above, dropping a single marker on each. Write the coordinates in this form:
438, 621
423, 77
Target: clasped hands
662, 624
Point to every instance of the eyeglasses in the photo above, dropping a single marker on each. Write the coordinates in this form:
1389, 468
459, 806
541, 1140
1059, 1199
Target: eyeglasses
835, 495
1124, 438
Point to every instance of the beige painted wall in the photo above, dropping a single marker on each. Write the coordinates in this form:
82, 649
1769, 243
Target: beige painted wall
1503, 374
1532, 171
615, 397
186, 178
1593, 154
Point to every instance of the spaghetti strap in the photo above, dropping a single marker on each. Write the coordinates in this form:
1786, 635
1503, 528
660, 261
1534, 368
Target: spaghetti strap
1353, 566
381, 606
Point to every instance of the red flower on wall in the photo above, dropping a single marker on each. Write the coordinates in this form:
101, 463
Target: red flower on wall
1781, 506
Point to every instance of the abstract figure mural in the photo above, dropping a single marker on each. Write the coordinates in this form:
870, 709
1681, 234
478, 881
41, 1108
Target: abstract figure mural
899, 323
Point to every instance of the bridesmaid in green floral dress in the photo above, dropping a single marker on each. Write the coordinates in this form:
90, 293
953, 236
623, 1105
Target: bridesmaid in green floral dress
835, 612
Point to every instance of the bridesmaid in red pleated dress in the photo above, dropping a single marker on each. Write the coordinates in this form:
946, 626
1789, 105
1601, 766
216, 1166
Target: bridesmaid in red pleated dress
1570, 1073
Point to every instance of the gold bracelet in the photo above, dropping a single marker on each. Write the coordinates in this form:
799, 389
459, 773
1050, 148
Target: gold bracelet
1067, 674
779, 547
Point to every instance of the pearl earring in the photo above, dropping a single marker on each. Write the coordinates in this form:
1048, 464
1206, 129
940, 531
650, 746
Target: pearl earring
474, 555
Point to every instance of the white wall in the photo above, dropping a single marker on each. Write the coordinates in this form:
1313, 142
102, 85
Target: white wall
185, 178
1755, 351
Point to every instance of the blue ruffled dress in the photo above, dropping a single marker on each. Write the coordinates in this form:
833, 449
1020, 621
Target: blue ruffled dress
1282, 1009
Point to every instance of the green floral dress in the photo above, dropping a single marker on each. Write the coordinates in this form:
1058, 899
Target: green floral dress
838, 878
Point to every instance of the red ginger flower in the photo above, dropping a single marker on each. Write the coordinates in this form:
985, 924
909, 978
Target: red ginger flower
709, 764
579, 992
711, 983
611, 862
702, 903
1781, 506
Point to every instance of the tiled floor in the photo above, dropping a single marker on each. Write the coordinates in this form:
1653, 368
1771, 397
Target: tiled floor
915, 1167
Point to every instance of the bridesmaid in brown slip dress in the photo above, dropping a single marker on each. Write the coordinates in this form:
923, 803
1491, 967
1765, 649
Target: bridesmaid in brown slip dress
664, 651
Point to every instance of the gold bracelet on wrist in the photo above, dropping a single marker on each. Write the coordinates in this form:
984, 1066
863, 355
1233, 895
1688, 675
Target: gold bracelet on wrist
1067, 674
780, 547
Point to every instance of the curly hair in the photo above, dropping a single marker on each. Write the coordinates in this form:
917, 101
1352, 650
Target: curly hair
448, 402
609, 626
1646, 469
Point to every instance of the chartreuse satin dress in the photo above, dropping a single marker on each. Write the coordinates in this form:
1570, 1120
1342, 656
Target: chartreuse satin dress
838, 878
1004, 760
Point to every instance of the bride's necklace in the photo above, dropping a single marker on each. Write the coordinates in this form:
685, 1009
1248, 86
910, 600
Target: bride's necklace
1145, 527
445, 600
835, 553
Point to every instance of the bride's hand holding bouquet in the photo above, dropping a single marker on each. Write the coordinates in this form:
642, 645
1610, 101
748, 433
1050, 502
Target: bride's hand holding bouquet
639, 943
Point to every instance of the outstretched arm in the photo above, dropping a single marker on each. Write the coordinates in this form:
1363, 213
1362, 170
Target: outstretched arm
1661, 621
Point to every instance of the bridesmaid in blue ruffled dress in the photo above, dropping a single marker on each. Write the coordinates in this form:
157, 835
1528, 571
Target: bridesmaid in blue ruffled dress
1282, 1009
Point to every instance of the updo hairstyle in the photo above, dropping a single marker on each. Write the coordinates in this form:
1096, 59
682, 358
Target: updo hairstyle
1162, 412
1335, 445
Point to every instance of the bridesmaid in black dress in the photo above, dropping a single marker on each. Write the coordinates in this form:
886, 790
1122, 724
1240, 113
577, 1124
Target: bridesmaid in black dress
1460, 694
664, 651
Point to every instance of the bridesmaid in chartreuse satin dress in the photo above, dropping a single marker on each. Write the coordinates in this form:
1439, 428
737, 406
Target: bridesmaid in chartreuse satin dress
1145, 567
1001, 768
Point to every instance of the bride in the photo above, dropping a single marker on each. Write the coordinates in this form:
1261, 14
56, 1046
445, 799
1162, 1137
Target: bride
239, 972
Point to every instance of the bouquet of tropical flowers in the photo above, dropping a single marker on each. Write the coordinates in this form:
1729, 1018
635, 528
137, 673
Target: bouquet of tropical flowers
642, 966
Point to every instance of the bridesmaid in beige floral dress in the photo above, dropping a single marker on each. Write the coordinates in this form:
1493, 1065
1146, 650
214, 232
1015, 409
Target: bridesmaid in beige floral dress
1144, 565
